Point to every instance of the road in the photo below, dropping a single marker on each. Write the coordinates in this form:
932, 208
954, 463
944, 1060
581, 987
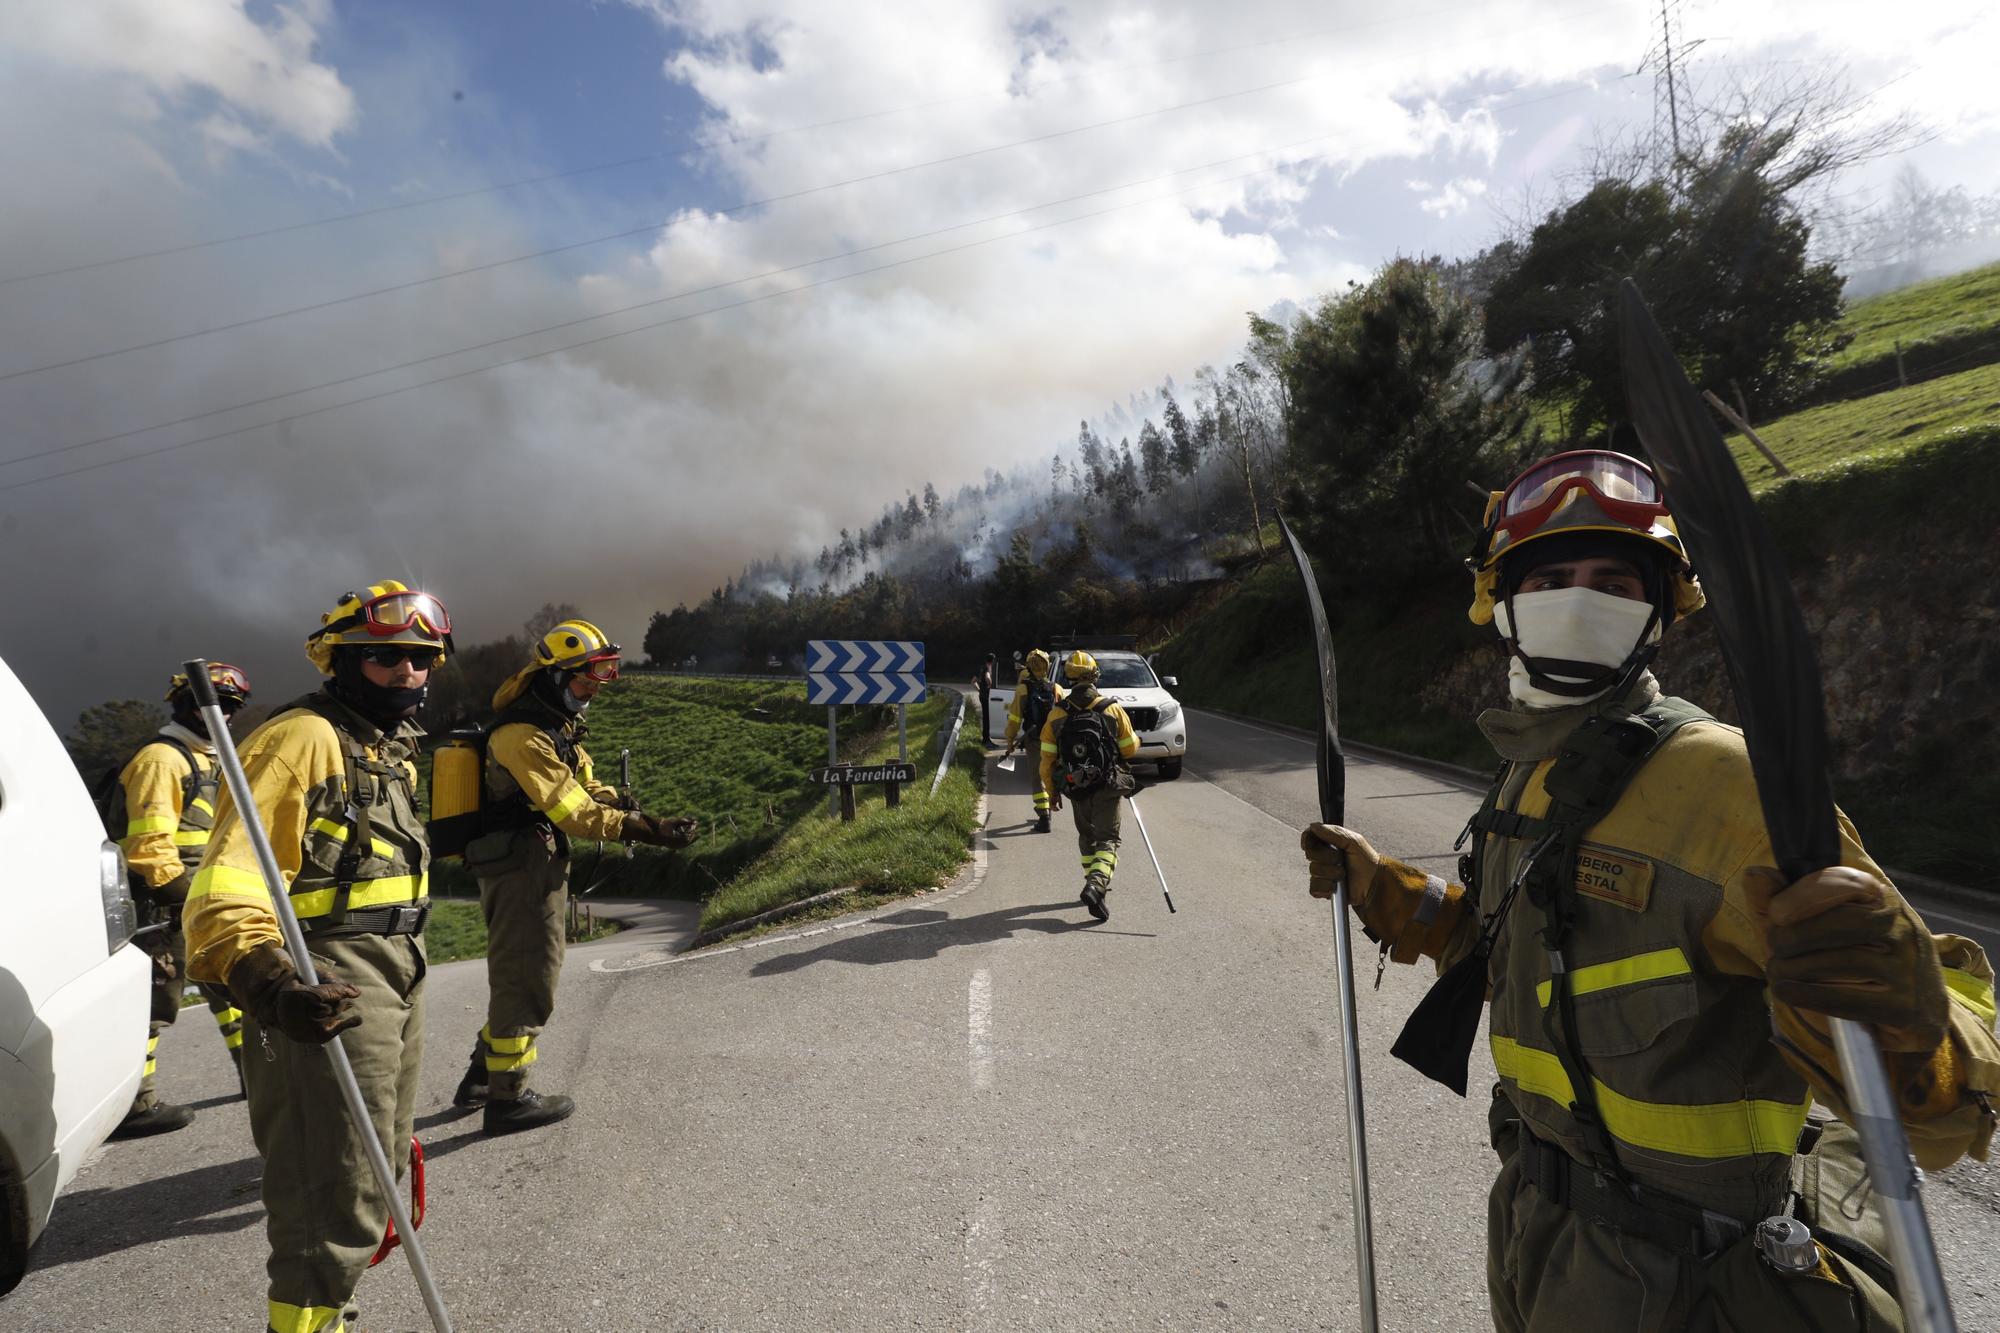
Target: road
972, 1111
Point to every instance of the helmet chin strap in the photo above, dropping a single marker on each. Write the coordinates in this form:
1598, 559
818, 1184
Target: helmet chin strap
1588, 679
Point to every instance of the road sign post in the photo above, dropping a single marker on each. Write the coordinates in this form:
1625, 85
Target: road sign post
844, 778
864, 671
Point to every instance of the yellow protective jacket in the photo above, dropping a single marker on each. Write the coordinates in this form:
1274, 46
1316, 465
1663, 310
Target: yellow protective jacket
1667, 959
1121, 730
1020, 700
300, 764
169, 806
536, 756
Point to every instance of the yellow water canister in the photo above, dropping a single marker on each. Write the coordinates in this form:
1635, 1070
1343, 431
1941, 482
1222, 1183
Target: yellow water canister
455, 785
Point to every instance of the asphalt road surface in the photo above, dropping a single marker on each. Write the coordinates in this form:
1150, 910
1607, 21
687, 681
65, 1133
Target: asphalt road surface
972, 1111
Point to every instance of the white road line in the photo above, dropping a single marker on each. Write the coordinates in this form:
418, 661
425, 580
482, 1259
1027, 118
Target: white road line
979, 1029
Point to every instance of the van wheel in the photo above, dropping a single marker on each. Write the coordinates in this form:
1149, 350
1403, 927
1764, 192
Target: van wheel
1170, 769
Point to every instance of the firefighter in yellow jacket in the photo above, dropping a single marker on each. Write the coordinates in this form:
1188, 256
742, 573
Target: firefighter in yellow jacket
1034, 695
540, 791
1087, 747
1658, 994
335, 788
168, 791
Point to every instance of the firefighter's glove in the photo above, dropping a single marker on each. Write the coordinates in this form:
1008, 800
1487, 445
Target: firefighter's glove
1055, 801
267, 987
1413, 913
1843, 944
657, 832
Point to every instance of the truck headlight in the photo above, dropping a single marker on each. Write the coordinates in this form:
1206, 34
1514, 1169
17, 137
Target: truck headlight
1168, 712
121, 916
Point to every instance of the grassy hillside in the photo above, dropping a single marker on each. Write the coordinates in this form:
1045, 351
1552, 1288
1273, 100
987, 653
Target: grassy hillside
1879, 425
884, 852
1945, 325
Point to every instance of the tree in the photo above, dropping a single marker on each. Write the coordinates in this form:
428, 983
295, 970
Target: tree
111, 733
1393, 411
933, 506
1724, 267
546, 619
1153, 464
1185, 453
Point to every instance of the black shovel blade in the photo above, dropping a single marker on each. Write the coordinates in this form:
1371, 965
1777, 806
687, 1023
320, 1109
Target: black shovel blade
1772, 666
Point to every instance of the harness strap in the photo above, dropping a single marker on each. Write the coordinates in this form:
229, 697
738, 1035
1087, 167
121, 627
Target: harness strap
1596, 764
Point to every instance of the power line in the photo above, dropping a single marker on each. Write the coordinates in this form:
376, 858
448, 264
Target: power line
648, 227
729, 141
56, 450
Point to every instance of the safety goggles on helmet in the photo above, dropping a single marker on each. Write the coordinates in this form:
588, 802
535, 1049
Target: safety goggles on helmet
1624, 488
399, 612
232, 686
602, 668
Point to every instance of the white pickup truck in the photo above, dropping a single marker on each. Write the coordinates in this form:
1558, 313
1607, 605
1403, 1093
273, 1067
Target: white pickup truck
73, 987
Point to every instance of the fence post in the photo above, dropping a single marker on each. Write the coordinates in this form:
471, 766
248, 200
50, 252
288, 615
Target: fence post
1902, 377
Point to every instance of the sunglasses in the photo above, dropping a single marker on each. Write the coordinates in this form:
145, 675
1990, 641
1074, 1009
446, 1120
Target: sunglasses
393, 655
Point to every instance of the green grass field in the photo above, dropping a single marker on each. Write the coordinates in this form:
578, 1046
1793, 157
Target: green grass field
1879, 425
1945, 325
884, 852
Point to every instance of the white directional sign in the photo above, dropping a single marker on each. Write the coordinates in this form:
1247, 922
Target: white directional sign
852, 657
822, 688
864, 671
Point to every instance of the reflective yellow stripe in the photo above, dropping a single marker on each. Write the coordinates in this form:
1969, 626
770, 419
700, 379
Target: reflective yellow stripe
224, 1016
230, 880
203, 806
285, 1318
1622, 972
340, 833
151, 1065
151, 824
1976, 993
574, 798
1713, 1131
365, 893
152, 1044
233, 1040
1128, 745
505, 1054
1048, 747
192, 838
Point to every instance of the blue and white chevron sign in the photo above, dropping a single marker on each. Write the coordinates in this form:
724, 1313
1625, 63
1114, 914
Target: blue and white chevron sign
830, 688
864, 657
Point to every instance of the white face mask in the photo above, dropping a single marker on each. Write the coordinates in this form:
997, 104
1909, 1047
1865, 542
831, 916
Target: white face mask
1575, 625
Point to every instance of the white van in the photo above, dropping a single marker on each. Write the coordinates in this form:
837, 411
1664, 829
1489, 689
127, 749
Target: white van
74, 996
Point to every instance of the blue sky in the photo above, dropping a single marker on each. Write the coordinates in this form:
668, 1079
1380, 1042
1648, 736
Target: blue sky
630, 473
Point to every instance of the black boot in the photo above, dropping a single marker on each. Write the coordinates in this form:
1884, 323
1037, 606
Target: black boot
1092, 897
510, 1115
1042, 822
472, 1088
159, 1118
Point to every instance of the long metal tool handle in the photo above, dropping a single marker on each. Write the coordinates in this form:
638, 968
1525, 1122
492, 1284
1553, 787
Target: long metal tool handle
295, 944
1893, 1172
1357, 1125
1165, 892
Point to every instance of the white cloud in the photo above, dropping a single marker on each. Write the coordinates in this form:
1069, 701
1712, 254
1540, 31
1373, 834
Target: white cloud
266, 71
1453, 199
